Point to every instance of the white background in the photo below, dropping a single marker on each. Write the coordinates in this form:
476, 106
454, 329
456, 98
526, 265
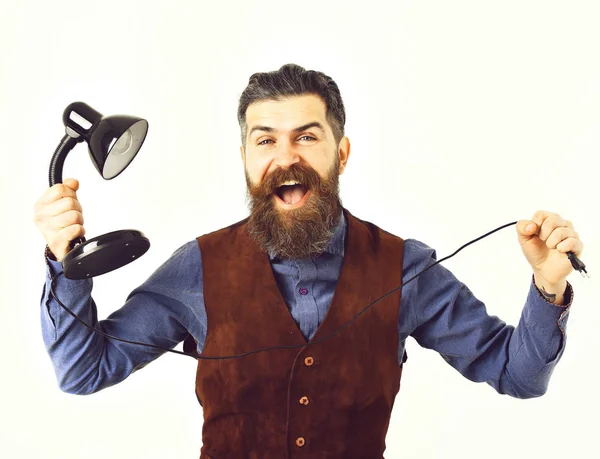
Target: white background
462, 116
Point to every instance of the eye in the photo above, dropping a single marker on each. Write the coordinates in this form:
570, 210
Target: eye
310, 137
263, 142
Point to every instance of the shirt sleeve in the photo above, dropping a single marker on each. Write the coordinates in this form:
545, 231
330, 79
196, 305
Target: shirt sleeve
449, 319
158, 312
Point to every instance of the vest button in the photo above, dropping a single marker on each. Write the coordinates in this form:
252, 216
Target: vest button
304, 401
300, 441
308, 361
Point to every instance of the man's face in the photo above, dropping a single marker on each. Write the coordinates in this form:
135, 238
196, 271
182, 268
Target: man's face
292, 165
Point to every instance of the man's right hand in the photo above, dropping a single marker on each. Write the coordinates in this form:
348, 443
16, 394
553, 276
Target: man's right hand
58, 216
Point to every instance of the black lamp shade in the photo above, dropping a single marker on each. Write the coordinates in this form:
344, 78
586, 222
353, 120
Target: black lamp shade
113, 140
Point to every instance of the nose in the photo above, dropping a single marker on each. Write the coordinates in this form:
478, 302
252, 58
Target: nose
286, 154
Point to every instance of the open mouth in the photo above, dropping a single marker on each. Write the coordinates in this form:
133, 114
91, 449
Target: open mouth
292, 193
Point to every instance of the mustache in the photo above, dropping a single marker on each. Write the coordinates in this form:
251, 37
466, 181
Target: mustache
305, 175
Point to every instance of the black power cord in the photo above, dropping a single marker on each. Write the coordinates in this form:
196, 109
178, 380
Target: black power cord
575, 262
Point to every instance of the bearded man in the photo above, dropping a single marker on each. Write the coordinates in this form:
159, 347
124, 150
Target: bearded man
289, 277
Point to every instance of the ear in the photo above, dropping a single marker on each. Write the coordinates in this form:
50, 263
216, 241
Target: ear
344, 153
243, 154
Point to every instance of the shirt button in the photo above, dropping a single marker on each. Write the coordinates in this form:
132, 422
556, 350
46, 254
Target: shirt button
308, 361
303, 291
300, 441
304, 401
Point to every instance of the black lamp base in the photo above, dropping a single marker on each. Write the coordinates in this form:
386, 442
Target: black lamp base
104, 253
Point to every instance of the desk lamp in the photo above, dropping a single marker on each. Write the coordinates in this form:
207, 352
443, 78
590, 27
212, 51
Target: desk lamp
113, 142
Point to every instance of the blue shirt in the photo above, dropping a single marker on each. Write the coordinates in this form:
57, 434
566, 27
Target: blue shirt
436, 309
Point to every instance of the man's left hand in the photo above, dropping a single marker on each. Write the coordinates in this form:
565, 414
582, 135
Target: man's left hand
545, 240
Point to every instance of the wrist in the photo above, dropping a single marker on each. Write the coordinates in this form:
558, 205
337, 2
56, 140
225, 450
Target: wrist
49, 254
550, 291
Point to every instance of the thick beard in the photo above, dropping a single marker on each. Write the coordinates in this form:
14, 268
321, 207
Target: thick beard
295, 233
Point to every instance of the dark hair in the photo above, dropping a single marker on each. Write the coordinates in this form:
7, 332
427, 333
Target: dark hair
293, 80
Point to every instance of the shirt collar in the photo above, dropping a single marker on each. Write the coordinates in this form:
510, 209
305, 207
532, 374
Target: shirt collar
337, 242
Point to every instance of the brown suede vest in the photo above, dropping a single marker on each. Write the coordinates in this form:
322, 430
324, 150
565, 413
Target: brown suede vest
332, 399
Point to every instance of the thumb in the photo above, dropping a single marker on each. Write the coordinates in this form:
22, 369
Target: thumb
526, 229
71, 183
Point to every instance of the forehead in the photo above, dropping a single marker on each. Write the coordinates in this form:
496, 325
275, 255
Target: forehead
288, 113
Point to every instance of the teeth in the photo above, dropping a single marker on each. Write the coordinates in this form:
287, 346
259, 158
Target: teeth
290, 182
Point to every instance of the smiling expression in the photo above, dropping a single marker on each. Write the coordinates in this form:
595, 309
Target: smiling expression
287, 132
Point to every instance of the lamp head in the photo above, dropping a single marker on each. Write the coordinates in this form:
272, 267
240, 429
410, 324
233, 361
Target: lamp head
113, 141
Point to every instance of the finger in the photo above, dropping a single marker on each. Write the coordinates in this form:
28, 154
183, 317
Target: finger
571, 244
558, 235
550, 224
56, 192
64, 236
539, 217
72, 232
61, 242
61, 206
66, 219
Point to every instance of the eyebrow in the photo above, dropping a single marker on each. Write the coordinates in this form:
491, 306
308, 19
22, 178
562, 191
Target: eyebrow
304, 127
